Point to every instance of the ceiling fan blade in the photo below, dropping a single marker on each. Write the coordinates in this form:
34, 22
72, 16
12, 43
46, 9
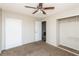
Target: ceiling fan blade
35, 11
43, 12
30, 7
46, 8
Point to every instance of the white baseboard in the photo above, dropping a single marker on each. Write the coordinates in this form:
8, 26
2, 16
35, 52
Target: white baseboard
52, 43
68, 51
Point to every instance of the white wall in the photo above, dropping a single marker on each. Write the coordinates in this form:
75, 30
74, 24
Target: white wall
51, 30
0, 28
28, 28
52, 24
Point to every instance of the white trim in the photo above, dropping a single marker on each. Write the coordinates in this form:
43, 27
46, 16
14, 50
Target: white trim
57, 32
3, 30
52, 43
0, 51
61, 48
68, 51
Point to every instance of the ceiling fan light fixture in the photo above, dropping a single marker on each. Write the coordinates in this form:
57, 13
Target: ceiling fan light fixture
40, 7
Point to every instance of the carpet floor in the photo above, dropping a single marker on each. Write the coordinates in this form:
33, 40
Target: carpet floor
36, 49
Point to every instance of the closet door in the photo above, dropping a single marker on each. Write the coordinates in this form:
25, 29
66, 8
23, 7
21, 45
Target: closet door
13, 33
38, 31
69, 32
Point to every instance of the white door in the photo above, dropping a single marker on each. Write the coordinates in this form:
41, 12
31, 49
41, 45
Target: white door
38, 32
13, 33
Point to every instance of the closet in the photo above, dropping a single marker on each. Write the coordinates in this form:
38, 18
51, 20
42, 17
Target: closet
69, 32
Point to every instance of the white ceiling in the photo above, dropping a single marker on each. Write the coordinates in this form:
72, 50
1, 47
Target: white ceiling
19, 8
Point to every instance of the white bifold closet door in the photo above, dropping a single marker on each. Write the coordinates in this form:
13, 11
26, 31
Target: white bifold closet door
69, 32
13, 33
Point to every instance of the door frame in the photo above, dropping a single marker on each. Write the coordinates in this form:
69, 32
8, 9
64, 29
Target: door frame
57, 32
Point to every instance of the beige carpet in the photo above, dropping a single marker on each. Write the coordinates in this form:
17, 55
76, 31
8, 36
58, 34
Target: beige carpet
36, 49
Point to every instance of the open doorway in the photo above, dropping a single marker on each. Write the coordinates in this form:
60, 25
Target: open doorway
44, 31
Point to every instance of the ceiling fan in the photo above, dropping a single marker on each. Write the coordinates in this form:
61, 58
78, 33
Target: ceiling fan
40, 7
